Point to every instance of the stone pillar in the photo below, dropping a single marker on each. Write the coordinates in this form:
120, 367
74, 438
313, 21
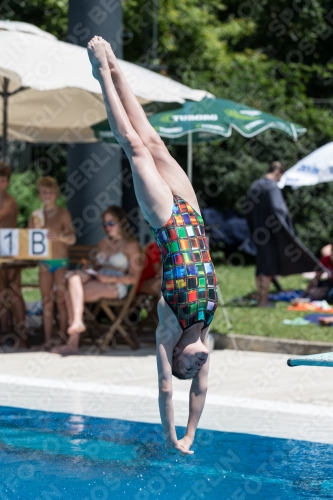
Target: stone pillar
94, 171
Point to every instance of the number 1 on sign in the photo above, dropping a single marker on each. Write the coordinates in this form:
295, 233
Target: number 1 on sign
9, 242
9, 237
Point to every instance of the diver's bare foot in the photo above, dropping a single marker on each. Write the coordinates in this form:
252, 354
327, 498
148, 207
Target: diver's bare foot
110, 56
76, 327
326, 321
97, 55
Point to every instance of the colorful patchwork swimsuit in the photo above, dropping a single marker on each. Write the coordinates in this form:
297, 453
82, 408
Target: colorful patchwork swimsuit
189, 280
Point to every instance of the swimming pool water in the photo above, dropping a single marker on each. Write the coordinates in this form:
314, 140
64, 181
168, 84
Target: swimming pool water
47, 456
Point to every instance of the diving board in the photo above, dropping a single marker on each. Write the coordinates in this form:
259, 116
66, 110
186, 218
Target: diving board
323, 359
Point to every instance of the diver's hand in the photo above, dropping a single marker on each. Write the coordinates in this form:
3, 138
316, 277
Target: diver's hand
186, 442
178, 447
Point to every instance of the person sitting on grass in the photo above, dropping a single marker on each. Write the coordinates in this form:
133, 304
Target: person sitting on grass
52, 271
118, 266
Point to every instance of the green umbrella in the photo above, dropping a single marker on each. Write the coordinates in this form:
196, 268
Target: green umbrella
206, 119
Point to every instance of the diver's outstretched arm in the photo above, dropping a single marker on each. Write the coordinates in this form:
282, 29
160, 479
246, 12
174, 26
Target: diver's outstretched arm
198, 393
164, 352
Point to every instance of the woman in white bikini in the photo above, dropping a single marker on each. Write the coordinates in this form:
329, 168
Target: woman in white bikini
117, 266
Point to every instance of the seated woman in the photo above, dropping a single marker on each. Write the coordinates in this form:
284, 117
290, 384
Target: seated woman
117, 266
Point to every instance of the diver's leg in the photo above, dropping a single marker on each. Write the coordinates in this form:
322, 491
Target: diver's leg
167, 166
153, 193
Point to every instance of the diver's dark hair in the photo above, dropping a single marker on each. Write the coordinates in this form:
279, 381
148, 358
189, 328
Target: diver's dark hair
276, 165
178, 375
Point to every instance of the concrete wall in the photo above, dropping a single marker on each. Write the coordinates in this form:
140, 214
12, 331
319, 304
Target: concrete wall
91, 194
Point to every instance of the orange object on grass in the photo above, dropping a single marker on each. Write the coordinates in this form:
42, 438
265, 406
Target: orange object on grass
309, 307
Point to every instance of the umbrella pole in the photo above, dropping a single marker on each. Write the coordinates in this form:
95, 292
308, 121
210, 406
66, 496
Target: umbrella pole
4, 118
189, 155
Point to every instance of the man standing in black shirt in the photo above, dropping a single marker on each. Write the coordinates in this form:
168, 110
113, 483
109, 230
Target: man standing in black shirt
279, 252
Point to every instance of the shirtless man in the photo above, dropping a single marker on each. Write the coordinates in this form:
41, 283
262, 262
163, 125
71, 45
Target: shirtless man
52, 272
12, 277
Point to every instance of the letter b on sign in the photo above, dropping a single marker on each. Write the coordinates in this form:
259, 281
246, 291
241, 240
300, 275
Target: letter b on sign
38, 243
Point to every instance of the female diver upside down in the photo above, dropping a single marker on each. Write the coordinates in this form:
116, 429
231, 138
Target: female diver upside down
170, 206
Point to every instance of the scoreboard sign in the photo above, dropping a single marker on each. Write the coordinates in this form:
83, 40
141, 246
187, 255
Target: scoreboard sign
24, 244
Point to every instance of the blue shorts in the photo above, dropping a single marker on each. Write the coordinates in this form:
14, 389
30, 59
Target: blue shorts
52, 265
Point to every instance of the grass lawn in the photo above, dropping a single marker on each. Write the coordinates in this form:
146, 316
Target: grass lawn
30, 277
236, 282
239, 281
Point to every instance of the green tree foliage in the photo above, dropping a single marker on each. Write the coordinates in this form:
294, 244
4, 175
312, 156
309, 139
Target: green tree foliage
289, 31
274, 55
23, 188
238, 51
49, 15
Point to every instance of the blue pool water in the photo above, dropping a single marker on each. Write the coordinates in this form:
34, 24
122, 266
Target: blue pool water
47, 456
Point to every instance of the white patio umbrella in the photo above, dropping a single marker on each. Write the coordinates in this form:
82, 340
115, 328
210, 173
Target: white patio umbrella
48, 91
315, 168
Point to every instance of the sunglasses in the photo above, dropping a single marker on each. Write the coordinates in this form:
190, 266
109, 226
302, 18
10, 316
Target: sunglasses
110, 223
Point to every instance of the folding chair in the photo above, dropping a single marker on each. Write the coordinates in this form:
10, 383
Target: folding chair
124, 307
79, 253
93, 325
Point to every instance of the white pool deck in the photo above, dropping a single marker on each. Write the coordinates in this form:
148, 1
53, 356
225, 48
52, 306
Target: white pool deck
255, 393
